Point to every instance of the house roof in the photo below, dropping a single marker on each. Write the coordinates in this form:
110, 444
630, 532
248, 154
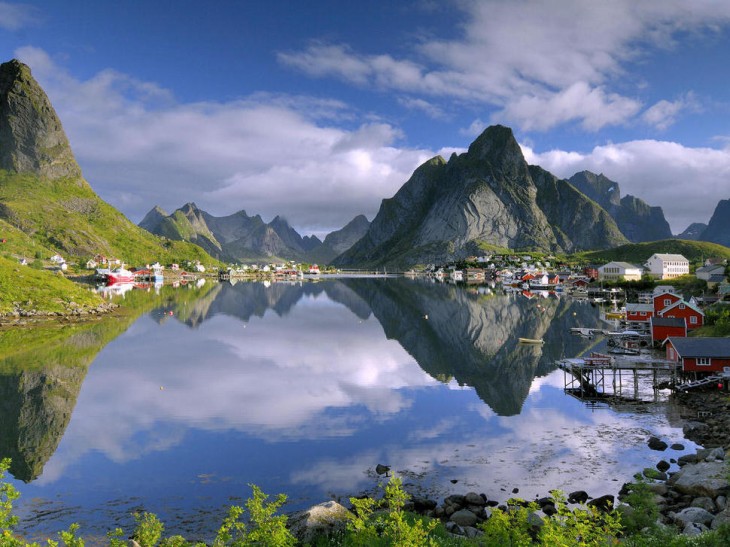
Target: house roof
717, 268
668, 322
624, 265
634, 307
716, 278
673, 257
663, 289
679, 303
701, 347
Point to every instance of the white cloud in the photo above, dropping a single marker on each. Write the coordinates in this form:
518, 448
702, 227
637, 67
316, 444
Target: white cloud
433, 111
686, 182
268, 154
16, 16
539, 64
664, 113
591, 106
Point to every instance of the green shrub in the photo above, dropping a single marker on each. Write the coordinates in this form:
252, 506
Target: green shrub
385, 523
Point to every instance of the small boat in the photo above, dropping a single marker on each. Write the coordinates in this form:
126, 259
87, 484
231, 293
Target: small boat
119, 275
531, 341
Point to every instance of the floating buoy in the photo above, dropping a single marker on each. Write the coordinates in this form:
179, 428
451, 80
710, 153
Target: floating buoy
161, 388
425, 316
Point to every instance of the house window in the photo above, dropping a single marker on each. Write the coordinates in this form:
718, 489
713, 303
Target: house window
703, 361
667, 301
693, 320
681, 306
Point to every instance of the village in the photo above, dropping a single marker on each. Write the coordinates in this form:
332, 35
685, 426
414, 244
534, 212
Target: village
654, 315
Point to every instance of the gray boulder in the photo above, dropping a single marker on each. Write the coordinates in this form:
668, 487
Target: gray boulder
691, 515
701, 479
694, 529
324, 518
464, 518
705, 503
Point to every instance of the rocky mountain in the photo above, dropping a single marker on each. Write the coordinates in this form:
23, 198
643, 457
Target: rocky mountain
43, 193
339, 241
637, 220
693, 231
243, 237
31, 135
488, 195
718, 229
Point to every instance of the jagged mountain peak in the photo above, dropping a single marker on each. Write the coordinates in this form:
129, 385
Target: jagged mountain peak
693, 232
599, 187
190, 207
32, 139
494, 143
498, 147
153, 218
279, 220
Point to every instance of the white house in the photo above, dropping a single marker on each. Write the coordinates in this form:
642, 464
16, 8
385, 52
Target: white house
667, 266
706, 272
614, 271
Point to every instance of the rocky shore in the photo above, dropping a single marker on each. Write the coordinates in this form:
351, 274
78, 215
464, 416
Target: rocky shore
693, 499
26, 315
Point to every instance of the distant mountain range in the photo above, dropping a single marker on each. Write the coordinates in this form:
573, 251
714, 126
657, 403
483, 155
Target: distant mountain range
240, 237
485, 198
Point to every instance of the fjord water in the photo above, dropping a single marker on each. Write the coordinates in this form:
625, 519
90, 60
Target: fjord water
178, 406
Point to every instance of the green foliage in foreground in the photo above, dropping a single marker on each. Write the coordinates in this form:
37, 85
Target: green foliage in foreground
385, 523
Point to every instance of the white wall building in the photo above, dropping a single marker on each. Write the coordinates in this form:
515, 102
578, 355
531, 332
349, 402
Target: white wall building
614, 271
667, 266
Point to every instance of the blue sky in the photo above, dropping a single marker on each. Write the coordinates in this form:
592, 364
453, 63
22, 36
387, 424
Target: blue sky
318, 110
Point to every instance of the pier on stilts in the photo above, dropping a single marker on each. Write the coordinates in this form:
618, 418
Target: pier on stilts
601, 377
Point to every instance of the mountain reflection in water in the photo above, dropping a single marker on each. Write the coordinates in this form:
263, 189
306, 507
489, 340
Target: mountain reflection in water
303, 389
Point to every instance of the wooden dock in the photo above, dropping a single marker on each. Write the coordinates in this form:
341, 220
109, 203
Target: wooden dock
599, 375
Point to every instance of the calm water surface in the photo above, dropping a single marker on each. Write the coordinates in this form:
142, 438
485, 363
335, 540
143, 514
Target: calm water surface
303, 389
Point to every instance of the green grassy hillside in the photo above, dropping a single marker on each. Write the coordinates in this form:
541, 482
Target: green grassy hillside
39, 289
638, 253
65, 215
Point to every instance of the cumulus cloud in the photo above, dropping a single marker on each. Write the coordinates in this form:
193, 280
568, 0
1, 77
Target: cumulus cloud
686, 182
314, 161
539, 64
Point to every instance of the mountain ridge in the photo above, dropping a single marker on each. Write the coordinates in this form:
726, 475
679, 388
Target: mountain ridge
240, 237
487, 195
